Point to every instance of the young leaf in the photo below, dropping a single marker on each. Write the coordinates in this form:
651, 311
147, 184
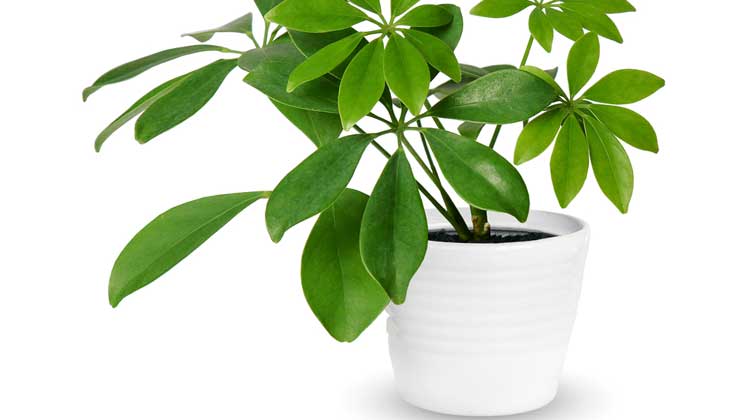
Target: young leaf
436, 52
337, 286
548, 76
170, 238
137, 108
182, 102
582, 61
479, 175
471, 130
541, 28
623, 87
611, 164
241, 25
398, 7
362, 84
538, 135
134, 68
570, 162
565, 24
628, 125
394, 229
320, 127
324, 61
269, 69
309, 44
406, 73
500, 8
607, 6
265, 5
314, 184
371, 5
315, 15
502, 97
426, 16
594, 20
450, 33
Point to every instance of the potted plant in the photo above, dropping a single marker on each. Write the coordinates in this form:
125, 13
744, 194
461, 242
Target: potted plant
481, 300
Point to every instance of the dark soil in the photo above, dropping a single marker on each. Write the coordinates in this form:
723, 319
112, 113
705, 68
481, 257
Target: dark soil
497, 236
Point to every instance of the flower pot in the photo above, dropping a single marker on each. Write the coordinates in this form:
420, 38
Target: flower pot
485, 327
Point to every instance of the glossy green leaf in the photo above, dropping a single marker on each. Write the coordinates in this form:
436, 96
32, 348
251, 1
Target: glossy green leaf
315, 15
426, 16
269, 69
362, 84
582, 61
538, 135
309, 44
394, 228
471, 130
320, 127
479, 175
184, 101
337, 286
623, 87
436, 52
567, 25
500, 8
611, 164
546, 76
324, 61
569, 165
628, 125
594, 20
502, 97
607, 6
266, 5
541, 29
137, 108
241, 25
170, 238
371, 5
399, 7
469, 74
314, 184
134, 68
406, 73
450, 33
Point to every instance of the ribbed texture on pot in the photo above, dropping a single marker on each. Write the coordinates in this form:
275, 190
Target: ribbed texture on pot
485, 328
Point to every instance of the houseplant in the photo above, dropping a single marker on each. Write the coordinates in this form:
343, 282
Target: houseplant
458, 345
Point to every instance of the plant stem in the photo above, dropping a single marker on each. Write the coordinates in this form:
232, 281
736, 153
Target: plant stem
379, 118
265, 32
494, 136
252, 38
528, 51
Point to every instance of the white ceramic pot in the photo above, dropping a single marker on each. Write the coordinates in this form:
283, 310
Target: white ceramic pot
485, 327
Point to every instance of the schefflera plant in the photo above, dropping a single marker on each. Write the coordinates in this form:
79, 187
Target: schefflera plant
328, 64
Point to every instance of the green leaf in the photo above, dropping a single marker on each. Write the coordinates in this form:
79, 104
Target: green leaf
450, 33
315, 15
546, 76
426, 16
538, 135
184, 101
582, 61
242, 25
502, 97
371, 5
265, 5
594, 20
479, 175
394, 228
471, 130
137, 108
611, 164
565, 24
134, 68
406, 73
623, 87
314, 185
628, 125
170, 238
320, 127
500, 8
324, 61
606, 6
337, 286
309, 44
570, 162
269, 69
541, 28
436, 52
398, 7
362, 84
469, 74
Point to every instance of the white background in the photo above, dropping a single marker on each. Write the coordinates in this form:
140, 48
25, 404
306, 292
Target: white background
663, 322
